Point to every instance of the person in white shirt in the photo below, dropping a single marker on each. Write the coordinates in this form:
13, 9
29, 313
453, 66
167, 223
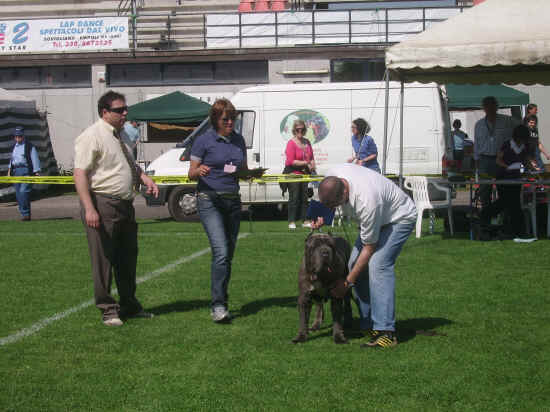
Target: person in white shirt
386, 217
105, 177
489, 135
458, 139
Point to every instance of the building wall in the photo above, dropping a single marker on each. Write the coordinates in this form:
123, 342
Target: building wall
71, 110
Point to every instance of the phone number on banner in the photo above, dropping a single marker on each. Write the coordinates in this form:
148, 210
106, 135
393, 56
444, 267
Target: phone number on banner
67, 44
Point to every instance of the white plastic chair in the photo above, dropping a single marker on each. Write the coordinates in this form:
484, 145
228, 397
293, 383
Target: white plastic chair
418, 185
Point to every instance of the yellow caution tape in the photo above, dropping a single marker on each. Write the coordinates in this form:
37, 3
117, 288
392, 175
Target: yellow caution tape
45, 180
162, 180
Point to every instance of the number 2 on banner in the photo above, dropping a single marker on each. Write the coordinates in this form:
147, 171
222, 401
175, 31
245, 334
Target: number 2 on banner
20, 30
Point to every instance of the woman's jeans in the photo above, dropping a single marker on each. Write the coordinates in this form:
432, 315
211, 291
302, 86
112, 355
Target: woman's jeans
375, 287
297, 201
23, 191
221, 217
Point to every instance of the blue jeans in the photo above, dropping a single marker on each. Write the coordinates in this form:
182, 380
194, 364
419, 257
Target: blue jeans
221, 218
375, 287
23, 191
538, 158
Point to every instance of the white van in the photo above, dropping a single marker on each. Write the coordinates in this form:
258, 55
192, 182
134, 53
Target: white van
266, 117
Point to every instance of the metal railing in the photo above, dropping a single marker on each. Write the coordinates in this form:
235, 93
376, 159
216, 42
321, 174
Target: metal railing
283, 29
181, 31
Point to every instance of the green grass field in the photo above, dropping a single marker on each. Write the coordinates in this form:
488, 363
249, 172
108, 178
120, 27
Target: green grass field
488, 303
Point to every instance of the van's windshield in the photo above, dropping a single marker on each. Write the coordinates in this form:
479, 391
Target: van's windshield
244, 125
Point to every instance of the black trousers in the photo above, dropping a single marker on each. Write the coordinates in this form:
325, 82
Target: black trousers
297, 201
509, 202
113, 248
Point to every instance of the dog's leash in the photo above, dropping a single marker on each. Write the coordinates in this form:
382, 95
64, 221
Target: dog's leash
346, 234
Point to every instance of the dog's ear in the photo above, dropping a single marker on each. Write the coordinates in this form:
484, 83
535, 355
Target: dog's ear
308, 236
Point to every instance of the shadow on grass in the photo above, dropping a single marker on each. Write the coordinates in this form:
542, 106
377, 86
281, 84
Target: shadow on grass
456, 236
408, 329
258, 305
148, 221
180, 306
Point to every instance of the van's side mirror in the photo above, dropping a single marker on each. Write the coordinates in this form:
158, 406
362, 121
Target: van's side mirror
257, 157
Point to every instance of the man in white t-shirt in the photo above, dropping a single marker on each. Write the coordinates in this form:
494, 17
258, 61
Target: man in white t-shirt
489, 134
386, 217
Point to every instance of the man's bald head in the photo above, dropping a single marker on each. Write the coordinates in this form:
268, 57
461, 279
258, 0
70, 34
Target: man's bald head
332, 192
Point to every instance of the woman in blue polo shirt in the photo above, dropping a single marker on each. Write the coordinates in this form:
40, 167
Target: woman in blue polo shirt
215, 157
365, 152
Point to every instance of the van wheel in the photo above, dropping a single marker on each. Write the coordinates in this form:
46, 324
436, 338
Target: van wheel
182, 203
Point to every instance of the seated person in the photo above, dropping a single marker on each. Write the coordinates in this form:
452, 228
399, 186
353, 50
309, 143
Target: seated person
510, 157
317, 209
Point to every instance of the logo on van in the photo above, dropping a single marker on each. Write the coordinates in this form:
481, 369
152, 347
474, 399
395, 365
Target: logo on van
317, 124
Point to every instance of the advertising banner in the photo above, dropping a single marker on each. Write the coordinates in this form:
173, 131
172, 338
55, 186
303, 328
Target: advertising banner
63, 35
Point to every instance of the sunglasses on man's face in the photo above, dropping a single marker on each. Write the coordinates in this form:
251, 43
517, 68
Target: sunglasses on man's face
228, 119
119, 110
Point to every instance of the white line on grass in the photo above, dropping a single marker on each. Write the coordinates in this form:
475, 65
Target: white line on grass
41, 324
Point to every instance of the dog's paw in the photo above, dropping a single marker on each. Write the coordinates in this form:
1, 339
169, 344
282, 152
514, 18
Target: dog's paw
299, 339
340, 339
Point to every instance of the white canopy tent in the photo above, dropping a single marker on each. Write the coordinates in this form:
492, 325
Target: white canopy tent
497, 41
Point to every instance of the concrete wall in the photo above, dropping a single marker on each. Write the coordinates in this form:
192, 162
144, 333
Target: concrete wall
70, 111
299, 71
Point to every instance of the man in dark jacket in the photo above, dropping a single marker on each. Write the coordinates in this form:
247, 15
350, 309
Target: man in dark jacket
24, 162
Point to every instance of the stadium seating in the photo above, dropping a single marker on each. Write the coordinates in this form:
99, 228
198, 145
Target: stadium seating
245, 6
278, 5
261, 5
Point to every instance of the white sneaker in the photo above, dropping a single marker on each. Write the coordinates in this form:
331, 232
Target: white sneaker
292, 226
307, 223
113, 322
524, 240
220, 314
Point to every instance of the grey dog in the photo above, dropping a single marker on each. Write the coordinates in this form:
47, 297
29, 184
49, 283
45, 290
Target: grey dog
325, 263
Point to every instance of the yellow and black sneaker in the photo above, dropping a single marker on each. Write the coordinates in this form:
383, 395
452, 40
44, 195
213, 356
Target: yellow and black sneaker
381, 339
368, 333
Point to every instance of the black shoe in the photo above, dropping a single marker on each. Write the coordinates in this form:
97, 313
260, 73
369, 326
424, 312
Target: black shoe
381, 339
141, 314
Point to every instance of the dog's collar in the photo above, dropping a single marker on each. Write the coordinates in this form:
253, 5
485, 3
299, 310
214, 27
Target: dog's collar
322, 290
314, 276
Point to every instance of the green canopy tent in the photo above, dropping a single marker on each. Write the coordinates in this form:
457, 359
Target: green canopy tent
172, 108
467, 96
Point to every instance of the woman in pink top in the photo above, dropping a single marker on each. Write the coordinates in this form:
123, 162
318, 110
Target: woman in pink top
299, 157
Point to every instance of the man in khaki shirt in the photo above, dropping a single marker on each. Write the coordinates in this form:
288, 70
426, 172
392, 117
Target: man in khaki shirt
105, 175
